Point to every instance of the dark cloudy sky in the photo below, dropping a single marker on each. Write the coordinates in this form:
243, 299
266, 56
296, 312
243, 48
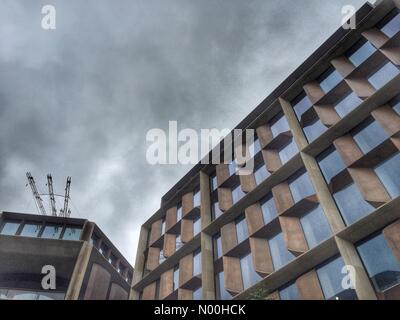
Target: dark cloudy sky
79, 100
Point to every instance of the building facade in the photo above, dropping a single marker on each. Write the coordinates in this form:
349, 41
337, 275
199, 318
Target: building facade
87, 265
324, 193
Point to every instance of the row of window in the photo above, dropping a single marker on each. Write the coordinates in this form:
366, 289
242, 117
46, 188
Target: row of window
40, 230
13, 294
377, 257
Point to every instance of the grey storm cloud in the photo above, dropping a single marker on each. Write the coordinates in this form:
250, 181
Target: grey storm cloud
80, 99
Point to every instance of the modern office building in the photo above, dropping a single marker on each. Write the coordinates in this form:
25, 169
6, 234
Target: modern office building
324, 194
87, 265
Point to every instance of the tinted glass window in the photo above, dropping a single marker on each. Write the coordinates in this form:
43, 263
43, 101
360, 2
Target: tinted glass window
31, 230
389, 173
316, 227
249, 276
176, 278
330, 79
10, 228
301, 104
216, 211
214, 184
217, 246
351, 204
196, 198
396, 104
197, 263
179, 212
381, 265
71, 233
232, 168
222, 294
237, 194
198, 294
280, 255
386, 73
300, 186
261, 174
268, 209
51, 232
290, 292
288, 151
331, 163
369, 135
330, 276
196, 226
279, 124
348, 104
314, 130
255, 147
361, 52
392, 26
241, 229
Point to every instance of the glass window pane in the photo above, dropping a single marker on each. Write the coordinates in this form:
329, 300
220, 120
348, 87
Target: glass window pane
279, 124
288, 152
31, 230
300, 186
71, 233
176, 278
331, 163
389, 173
314, 130
361, 52
232, 168
261, 174
381, 265
198, 294
178, 242
179, 212
52, 232
217, 247
222, 294
396, 104
348, 104
196, 263
241, 229
392, 27
10, 228
280, 255
316, 227
330, 79
196, 226
386, 73
351, 204
163, 226
237, 194
301, 104
214, 184
268, 209
290, 292
216, 211
330, 276
249, 275
196, 198
255, 147
369, 135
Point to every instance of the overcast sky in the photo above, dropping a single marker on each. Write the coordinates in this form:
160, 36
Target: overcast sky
80, 99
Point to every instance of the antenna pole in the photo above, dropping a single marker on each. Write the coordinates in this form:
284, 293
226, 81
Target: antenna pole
51, 194
35, 193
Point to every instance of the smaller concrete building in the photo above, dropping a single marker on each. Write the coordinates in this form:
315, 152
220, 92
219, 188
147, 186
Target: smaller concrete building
87, 265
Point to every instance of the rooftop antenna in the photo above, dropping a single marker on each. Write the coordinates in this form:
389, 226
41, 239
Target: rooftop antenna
35, 192
65, 212
51, 194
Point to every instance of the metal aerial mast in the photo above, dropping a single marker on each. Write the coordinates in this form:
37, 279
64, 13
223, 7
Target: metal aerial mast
35, 192
51, 194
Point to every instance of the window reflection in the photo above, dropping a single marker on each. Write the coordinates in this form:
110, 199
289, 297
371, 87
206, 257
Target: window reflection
51, 232
391, 27
347, 104
289, 292
249, 275
301, 104
71, 233
316, 227
389, 174
361, 52
261, 174
241, 229
268, 209
330, 276
288, 151
329, 79
381, 265
10, 228
331, 163
314, 129
351, 204
280, 254
383, 75
369, 135
300, 186
222, 294
31, 230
